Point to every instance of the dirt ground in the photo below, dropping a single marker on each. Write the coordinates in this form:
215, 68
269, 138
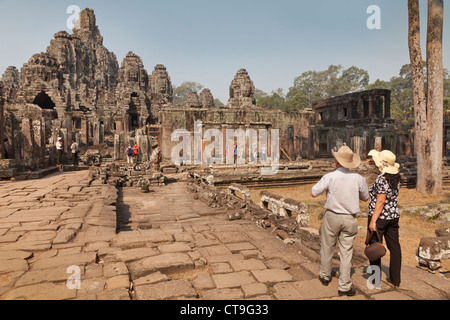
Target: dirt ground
412, 228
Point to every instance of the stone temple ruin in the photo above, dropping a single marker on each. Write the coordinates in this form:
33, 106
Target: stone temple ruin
76, 90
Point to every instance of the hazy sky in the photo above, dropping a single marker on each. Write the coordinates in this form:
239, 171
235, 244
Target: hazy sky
208, 41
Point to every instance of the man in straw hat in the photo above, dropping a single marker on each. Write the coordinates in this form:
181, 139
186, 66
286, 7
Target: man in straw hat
344, 189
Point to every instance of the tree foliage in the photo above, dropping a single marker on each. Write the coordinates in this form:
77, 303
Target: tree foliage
181, 92
314, 86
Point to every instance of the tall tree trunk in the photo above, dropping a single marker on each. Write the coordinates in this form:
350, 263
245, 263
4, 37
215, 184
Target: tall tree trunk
428, 114
435, 104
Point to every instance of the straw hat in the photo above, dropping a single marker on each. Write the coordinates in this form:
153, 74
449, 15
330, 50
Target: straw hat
385, 161
347, 158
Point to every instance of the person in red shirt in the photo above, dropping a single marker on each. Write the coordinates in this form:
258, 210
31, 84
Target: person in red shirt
135, 151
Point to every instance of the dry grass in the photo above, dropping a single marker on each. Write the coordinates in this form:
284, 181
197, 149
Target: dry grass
412, 228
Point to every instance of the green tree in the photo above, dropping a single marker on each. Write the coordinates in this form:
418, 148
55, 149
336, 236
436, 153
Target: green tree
276, 100
181, 92
335, 81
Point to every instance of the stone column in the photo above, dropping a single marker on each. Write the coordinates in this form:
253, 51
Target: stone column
364, 151
38, 145
378, 144
28, 139
349, 134
311, 141
357, 146
370, 107
69, 128
387, 106
96, 133
101, 133
85, 132
119, 126
117, 150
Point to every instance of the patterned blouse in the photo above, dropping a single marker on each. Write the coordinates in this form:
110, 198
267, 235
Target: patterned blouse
390, 210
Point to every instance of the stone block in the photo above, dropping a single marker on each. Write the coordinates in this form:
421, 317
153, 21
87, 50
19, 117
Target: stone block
168, 262
169, 290
232, 280
272, 275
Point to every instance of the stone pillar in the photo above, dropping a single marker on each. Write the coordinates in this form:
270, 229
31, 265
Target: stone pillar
357, 145
85, 132
378, 144
96, 133
101, 134
28, 139
119, 126
38, 141
145, 148
78, 138
387, 106
349, 134
126, 122
311, 141
370, 107
69, 127
117, 147
364, 151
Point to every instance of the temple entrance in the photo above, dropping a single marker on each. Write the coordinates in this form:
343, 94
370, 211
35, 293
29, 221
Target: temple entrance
134, 121
44, 101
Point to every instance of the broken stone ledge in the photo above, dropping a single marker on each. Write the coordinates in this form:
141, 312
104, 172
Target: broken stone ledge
434, 253
286, 227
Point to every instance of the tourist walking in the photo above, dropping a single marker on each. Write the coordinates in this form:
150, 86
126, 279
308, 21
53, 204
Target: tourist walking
75, 151
130, 154
384, 214
59, 150
344, 189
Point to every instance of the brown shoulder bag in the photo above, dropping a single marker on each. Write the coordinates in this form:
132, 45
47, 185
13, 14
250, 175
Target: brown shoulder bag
375, 250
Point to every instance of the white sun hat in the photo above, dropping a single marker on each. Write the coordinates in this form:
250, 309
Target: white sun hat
385, 161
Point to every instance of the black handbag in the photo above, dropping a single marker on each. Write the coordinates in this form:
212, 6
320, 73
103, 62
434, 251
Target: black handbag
375, 250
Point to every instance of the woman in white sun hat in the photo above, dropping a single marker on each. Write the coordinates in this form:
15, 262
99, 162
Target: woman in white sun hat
384, 214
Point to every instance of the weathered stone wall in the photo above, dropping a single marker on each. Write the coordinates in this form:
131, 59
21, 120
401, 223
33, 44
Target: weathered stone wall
293, 127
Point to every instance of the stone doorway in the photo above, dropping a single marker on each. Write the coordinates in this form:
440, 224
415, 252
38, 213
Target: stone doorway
44, 101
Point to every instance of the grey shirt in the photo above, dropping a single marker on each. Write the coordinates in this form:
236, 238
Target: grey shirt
344, 189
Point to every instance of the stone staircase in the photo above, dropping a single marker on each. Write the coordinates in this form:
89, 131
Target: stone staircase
409, 173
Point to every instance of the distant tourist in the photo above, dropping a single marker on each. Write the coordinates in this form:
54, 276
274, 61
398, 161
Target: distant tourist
75, 151
264, 153
384, 214
135, 152
130, 154
59, 150
344, 189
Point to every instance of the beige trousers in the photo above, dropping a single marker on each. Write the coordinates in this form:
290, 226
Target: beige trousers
338, 229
